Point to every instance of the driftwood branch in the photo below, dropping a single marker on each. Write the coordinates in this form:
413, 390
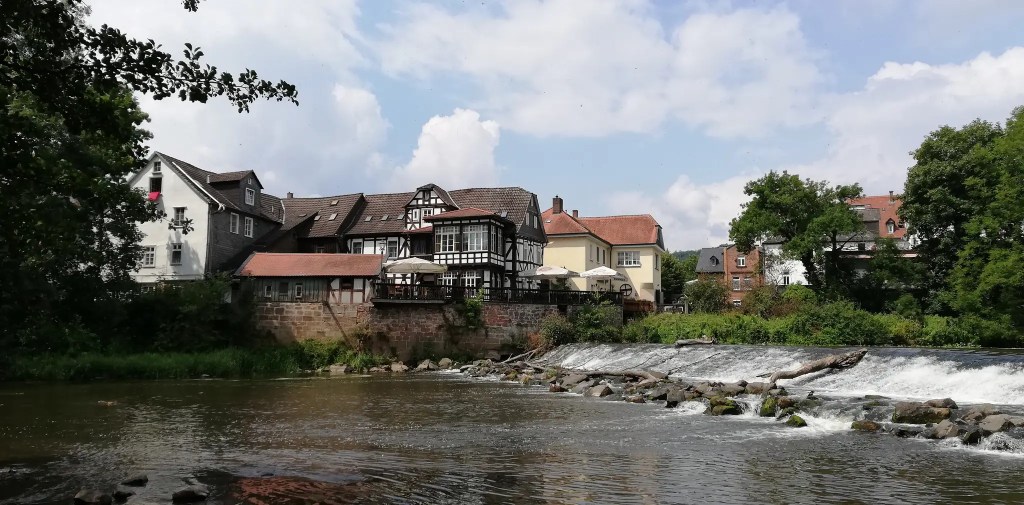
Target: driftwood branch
524, 356
835, 362
695, 341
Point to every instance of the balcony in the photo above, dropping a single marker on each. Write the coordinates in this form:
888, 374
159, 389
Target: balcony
405, 293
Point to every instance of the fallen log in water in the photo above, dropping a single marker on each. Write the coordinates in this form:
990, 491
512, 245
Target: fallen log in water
835, 362
695, 341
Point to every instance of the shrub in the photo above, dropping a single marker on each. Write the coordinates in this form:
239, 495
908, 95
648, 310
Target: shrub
907, 306
901, 330
799, 294
557, 330
707, 295
837, 323
760, 301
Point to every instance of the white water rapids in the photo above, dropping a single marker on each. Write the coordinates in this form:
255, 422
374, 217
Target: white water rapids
967, 376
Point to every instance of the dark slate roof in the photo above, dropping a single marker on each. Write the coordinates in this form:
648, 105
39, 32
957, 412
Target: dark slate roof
464, 213
203, 178
705, 264
318, 212
513, 201
370, 222
271, 207
441, 193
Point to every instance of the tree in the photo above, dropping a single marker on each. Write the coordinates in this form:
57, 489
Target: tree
707, 295
806, 215
675, 274
69, 137
952, 182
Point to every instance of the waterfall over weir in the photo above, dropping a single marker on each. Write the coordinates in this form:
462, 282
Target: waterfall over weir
967, 376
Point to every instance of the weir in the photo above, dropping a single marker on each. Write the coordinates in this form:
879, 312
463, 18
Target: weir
967, 376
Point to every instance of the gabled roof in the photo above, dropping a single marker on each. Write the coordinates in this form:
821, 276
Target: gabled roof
562, 224
625, 230
512, 203
318, 211
201, 178
888, 207
706, 260
233, 177
464, 212
441, 193
311, 265
370, 220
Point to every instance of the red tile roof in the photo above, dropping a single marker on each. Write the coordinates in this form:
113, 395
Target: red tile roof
624, 230
421, 229
887, 208
311, 265
561, 224
465, 212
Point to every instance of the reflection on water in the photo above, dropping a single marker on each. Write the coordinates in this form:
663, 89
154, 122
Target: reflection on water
446, 439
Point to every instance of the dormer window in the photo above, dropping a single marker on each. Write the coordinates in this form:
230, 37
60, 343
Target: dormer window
741, 261
250, 196
714, 260
249, 181
156, 167
890, 226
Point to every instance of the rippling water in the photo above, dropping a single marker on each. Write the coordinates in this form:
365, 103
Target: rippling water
443, 438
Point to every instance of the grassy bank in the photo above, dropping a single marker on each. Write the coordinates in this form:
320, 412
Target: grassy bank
224, 363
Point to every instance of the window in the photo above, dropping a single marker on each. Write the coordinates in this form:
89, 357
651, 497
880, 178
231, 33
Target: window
428, 212
475, 237
447, 239
157, 166
657, 262
748, 282
714, 260
248, 226
282, 289
156, 184
741, 261
298, 290
785, 279
448, 278
357, 247
890, 226
320, 249
392, 248
176, 254
179, 216
471, 279
148, 256
737, 303
250, 196
628, 258
735, 283
268, 291
233, 227
862, 246
149, 287
414, 216
249, 181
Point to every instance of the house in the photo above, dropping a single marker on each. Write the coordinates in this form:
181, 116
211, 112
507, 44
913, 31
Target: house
631, 244
486, 236
739, 271
312, 277
211, 219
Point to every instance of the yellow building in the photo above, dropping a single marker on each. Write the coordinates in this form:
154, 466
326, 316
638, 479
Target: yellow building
632, 245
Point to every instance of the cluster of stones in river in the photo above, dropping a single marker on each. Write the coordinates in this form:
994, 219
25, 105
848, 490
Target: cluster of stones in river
192, 493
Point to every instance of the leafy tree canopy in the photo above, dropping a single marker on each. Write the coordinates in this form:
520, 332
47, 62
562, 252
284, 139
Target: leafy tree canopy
675, 273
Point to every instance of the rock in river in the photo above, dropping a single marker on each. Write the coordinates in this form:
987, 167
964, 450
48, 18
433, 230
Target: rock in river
445, 363
191, 494
136, 480
92, 497
995, 423
979, 412
946, 403
796, 421
769, 406
865, 425
945, 429
399, 367
427, 366
600, 391
918, 413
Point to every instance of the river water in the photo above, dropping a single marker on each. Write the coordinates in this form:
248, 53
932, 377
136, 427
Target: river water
447, 438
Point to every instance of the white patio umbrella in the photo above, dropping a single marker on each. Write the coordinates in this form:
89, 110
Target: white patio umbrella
413, 266
603, 274
550, 272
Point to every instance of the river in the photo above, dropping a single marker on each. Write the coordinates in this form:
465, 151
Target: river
447, 438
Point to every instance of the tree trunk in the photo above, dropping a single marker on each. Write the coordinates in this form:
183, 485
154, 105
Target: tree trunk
835, 361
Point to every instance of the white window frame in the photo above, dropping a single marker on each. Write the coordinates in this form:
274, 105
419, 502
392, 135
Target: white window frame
148, 256
474, 238
741, 261
448, 278
414, 216
447, 239
157, 167
890, 227
298, 290
785, 279
628, 258
471, 279
268, 291
233, 225
179, 248
736, 283
388, 250
428, 212
249, 226
357, 247
178, 221
250, 196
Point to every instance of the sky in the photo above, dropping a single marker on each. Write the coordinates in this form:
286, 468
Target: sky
617, 106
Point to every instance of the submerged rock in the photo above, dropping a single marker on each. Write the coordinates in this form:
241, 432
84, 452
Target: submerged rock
92, 497
556, 388
191, 494
673, 397
865, 425
906, 431
784, 402
796, 421
572, 380
136, 480
122, 494
918, 413
726, 410
946, 403
756, 388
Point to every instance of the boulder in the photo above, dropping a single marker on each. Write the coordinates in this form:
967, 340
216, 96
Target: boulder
690, 395
338, 369
796, 421
756, 388
122, 494
399, 367
136, 480
768, 407
658, 394
726, 410
876, 397
979, 412
784, 402
191, 494
647, 383
906, 431
971, 435
583, 386
525, 379
733, 389
92, 497
673, 397
918, 413
377, 369
778, 392
427, 366
600, 391
657, 375
704, 388
943, 430
635, 399
865, 425
572, 380
994, 424
808, 404
715, 401
946, 403
1017, 421
786, 412
445, 363
556, 388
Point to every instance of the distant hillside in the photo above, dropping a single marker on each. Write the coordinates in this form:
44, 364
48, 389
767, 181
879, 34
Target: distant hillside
682, 255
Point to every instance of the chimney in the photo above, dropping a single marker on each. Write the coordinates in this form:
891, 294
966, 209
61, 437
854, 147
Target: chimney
207, 178
556, 205
892, 198
575, 214
290, 195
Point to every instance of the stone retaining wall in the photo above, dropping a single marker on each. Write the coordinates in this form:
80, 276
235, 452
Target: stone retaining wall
405, 330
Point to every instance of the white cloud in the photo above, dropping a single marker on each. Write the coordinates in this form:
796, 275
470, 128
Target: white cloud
566, 67
872, 132
453, 151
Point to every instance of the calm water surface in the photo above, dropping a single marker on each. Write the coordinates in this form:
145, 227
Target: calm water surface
443, 438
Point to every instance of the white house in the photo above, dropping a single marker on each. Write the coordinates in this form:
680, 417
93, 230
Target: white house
212, 219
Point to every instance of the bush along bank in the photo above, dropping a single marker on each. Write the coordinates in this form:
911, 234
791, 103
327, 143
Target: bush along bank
937, 419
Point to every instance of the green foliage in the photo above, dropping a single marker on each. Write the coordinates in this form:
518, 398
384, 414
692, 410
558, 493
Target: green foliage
675, 273
801, 295
908, 307
707, 295
761, 301
472, 310
557, 330
803, 213
588, 323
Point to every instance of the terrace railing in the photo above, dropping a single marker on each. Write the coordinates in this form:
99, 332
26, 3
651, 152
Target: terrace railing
388, 292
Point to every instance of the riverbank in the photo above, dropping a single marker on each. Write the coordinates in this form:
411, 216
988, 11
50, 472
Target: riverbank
231, 363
